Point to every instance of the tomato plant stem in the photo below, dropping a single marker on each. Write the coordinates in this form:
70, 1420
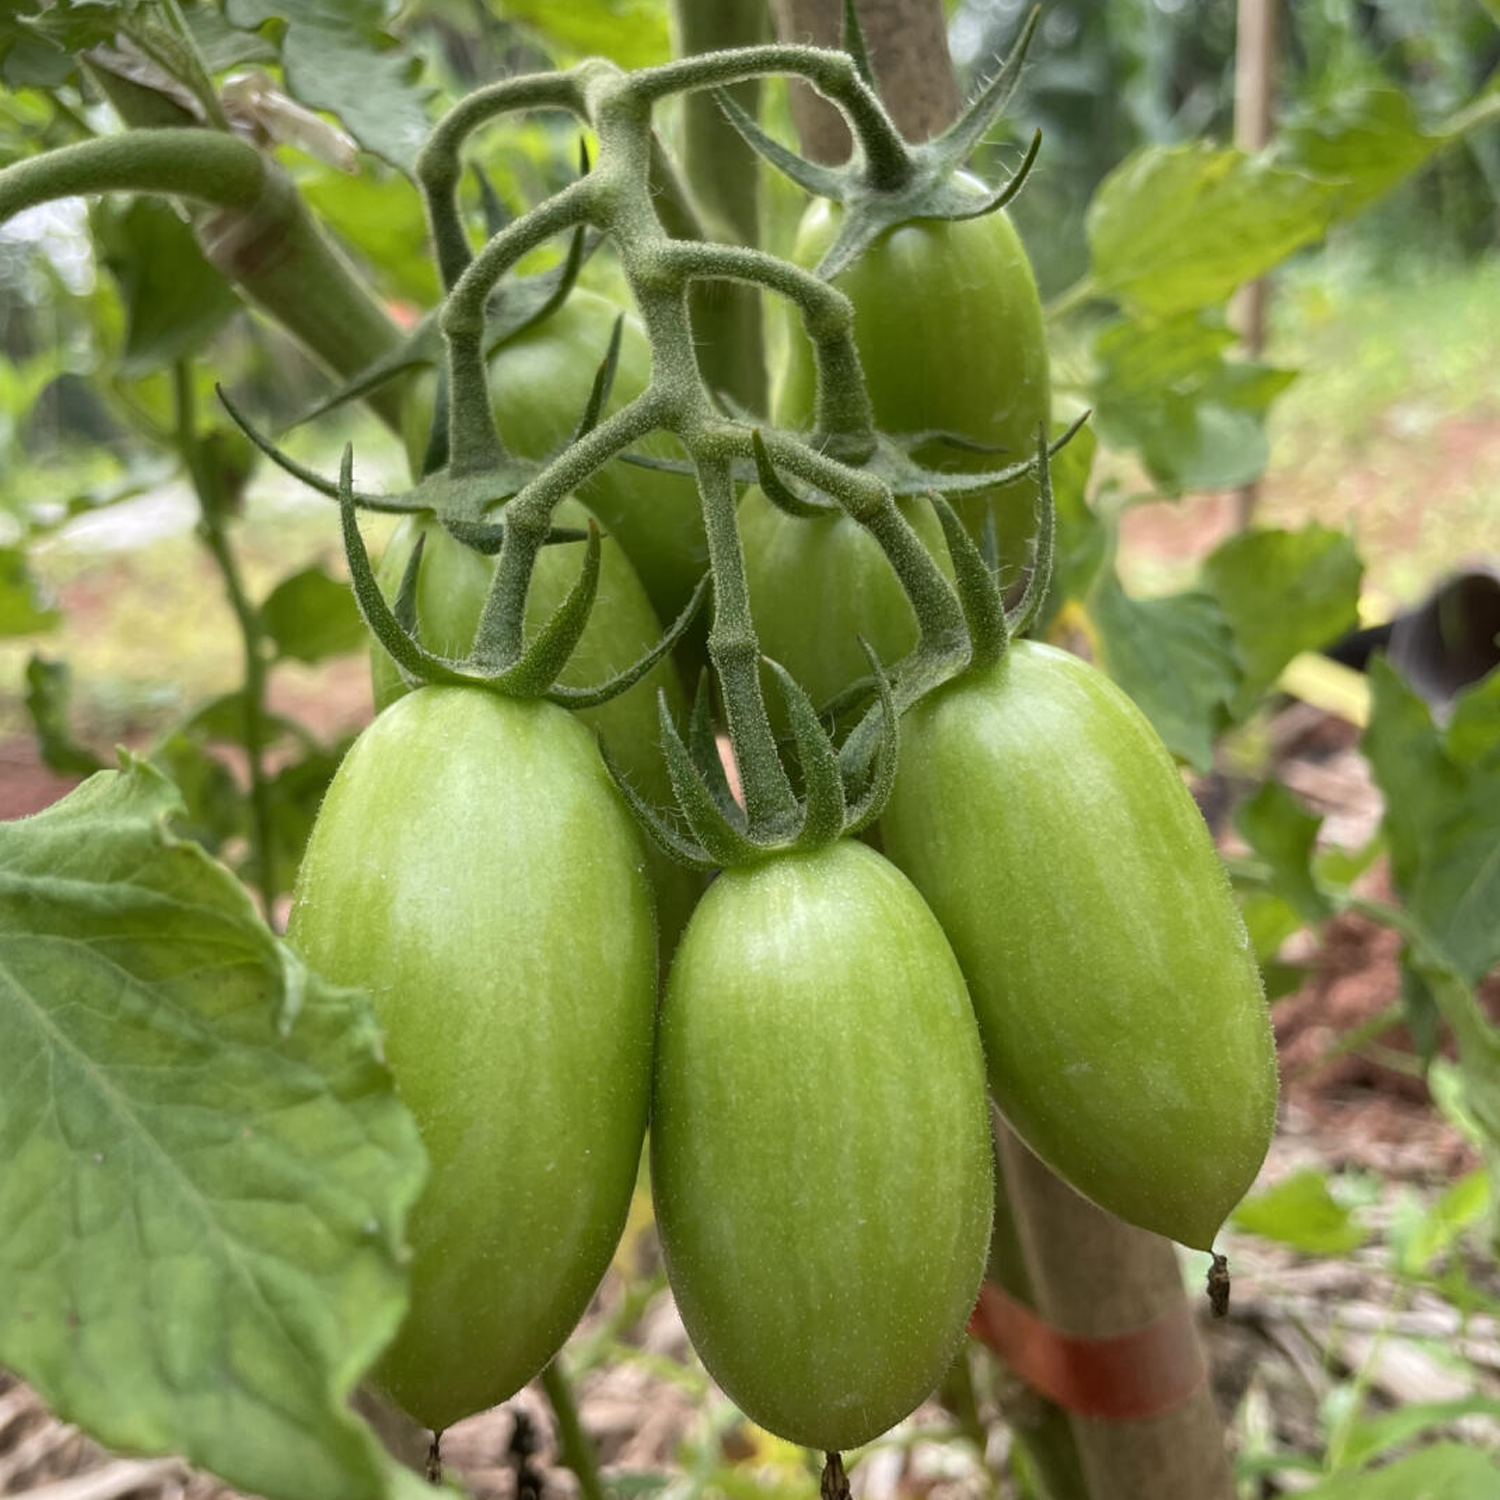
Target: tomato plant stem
213, 506
574, 1445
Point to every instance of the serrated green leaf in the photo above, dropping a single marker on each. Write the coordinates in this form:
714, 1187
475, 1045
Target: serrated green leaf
338, 56
204, 1169
1283, 592
1433, 1229
1361, 143
1302, 1213
1174, 228
24, 607
1446, 1471
1442, 812
174, 300
1282, 832
1173, 655
309, 616
213, 803
1166, 390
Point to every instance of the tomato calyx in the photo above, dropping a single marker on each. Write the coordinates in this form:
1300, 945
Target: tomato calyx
884, 183
533, 672
834, 803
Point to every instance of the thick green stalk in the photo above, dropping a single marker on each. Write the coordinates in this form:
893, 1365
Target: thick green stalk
212, 508
251, 222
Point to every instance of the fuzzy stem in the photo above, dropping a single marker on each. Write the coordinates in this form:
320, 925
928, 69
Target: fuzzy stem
528, 517
735, 653
204, 165
473, 444
888, 161
573, 1443
211, 507
844, 413
440, 162
253, 226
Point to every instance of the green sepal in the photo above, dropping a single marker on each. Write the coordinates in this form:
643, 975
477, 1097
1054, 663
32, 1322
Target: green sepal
890, 463
540, 663
924, 187
703, 744
1039, 579
959, 141
398, 644
653, 822
852, 39
778, 492
978, 589
604, 379
466, 498
887, 750
435, 455
491, 204
724, 843
931, 193
487, 537
400, 504
822, 782
612, 687
404, 606
515, 307
820, 180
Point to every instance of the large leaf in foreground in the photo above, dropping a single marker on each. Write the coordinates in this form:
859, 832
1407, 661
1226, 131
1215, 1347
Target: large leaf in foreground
204, 1169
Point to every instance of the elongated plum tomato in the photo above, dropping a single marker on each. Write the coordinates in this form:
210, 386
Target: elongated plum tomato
820, 1147
451, 589
949, 329
539, 385
474, 869
1124, 1022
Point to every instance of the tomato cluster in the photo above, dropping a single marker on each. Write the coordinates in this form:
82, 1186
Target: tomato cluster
1048, 924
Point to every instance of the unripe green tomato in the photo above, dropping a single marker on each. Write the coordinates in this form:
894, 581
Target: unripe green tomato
475, 870
820, 1146
949, 329
817, 586
539, 385
950, 335
451, 589
1124, 1022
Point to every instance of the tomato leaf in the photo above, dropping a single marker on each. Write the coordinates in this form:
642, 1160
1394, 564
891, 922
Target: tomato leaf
311, 616
1363, 143
1282, 592
1442, 813
1174, 228
1446, 1471
1175, 656
174, 300
1166, 390
1279, 829
338, 56
1302, 1213
206, 1169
